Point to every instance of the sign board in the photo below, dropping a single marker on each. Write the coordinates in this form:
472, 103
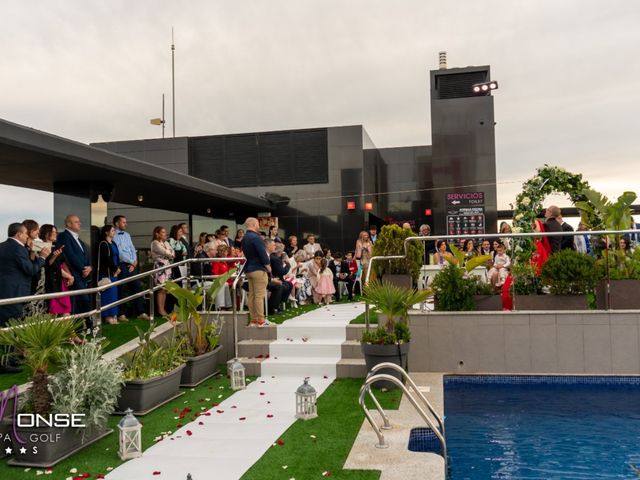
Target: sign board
465, 199
465, 221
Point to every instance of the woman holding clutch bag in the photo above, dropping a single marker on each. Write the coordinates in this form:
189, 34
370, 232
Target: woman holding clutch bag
108, 271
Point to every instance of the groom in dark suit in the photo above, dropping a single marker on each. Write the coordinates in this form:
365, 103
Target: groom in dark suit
17, 270
76, 255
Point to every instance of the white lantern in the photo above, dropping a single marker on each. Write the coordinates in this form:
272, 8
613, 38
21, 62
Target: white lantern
236, 374
306, 401
130, 436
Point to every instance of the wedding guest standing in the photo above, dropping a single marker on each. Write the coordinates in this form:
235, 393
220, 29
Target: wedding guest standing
161, 254
58, 278
76, 254
108, 268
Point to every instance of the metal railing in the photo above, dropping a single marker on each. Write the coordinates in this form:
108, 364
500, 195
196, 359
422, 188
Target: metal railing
366, 387
95, 313
486, 236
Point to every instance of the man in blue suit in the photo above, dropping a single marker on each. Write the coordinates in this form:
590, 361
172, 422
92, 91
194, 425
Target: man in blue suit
17, 270
76, 255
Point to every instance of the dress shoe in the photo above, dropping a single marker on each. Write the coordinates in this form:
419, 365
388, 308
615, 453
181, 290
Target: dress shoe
122, 318
144, 316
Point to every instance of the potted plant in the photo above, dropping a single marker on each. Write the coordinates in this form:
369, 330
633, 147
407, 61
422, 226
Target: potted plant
402, 272
619, 272
454, 291
152, 374
83, 385
483, 295
198, 336
390, 341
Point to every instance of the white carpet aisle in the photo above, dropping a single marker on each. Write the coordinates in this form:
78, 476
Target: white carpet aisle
235, 434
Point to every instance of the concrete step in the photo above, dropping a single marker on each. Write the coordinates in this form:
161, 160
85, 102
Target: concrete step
351, 349
253, 348
351, 368
354, 332
299, 349
300, 366
254, 333
310, 330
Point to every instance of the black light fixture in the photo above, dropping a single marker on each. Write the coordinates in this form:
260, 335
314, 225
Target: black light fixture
484, 88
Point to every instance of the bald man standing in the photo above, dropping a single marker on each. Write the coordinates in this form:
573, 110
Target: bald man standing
257, 268
76, 255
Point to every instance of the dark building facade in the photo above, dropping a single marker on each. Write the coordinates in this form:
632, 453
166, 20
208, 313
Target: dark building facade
334, 181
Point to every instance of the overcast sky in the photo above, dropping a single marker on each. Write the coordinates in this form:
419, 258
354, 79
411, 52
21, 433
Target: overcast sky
95, 71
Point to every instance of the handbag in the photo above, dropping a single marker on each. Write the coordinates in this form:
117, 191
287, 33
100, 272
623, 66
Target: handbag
106, 280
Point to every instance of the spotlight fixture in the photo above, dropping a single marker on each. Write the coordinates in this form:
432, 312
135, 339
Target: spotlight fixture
368, 205
140, 198
484, 88
351, 205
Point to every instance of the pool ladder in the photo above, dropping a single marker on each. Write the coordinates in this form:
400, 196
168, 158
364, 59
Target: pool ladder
373, 377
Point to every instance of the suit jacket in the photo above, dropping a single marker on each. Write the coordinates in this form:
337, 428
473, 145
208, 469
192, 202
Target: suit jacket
16, 273
344, 268
279, 268
567, 242
552, 225
75, 257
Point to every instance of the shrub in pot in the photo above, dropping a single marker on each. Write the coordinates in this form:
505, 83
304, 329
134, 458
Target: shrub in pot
454, 291
391, 242
198, 336
152, 373
389, 343
83, 384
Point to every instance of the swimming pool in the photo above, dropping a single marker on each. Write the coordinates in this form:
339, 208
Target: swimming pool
551, 427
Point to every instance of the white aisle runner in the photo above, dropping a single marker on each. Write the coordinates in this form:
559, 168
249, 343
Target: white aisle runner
227, 440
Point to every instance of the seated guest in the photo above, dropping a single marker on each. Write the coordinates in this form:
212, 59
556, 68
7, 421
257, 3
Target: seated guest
292, 247
442, 257
108, 261
200, 269
501, 264
327, 254
311, 247
341, 273
57, 275
469, 250
280, 267
275, 286
484, 248
353, 264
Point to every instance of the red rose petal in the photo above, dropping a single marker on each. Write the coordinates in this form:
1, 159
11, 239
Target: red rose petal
200, 423
157, 472
219, 411
233, 406
189, 432
86, 475
99, 476
280, 442
261, 393
179, 425
269, 415
243, 418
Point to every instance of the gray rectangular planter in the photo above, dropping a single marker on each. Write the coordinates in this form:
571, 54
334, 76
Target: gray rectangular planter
624, 295
550, 302
143, 396
49, 449
5, 423
375, 354
488, 303
199, 368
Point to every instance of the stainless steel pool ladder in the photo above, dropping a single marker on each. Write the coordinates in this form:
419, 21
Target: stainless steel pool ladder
373, 377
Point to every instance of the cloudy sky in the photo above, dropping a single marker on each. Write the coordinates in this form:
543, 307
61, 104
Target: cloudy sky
94, 71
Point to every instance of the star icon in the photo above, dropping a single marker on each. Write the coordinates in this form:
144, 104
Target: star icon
23, 451
8, 451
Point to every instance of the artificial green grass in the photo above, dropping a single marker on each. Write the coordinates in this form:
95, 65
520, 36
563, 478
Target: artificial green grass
359, 320
292, 312
116, 335
96, 458
323, 444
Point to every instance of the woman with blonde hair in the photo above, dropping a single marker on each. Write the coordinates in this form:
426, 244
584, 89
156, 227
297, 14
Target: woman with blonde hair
161, 255
363, 248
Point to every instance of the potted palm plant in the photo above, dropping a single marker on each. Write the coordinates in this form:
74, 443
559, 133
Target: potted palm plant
199, 336
390, 341
152, 374
83, 385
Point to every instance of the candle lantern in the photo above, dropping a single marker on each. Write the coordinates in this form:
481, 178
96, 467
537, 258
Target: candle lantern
306, 401
236, 374
130, 436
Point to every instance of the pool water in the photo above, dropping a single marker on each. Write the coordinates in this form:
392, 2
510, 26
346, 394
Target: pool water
506, 428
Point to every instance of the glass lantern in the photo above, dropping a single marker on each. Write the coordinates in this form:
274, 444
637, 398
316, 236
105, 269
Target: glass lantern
236, 374
306, 401
130, 436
